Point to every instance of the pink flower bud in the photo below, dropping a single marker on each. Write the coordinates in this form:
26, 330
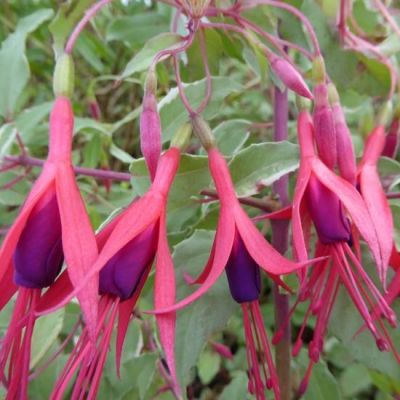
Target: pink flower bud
222, 350
344, 146
291, 78
94, 109
392, 140
324, 125
150, 132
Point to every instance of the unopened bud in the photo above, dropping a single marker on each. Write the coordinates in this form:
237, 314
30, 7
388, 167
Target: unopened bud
290, 77
203, 132
64, 75
182, 137
344, 145
150, 127
392, 139
324, 125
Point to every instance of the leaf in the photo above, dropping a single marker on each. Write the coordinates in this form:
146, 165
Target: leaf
28, 120
46, 331
208, 314
231, 136
143, 59
208, 366
138, 28
7, 136
262, 163
173, 114
237, 388
354, 380
14, 65
322, 384
345, 322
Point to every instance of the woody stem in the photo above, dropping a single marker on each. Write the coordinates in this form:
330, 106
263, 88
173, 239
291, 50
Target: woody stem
280, 232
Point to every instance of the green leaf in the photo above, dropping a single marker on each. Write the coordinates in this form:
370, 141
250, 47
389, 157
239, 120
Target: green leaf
208, 366
262, 163
7, 136
137, 28
345, 322
211, 312
354, 380
143, 59
322, 384
231, 136
14, 65
237, 388
46, 331
173, 114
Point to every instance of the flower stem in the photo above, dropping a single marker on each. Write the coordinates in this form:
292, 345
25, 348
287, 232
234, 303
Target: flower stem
95, 173
90, 13
280, 233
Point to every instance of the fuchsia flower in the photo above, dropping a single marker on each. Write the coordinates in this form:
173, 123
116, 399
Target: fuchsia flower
240, 249
339, 214
128, 246
52, 224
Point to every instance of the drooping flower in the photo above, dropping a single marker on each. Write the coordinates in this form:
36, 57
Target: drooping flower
240, 250
52, 225
339, 215
128, 246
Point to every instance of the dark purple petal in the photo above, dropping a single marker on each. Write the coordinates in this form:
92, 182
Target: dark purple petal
327, 213
123, 272
243, 273
38, 256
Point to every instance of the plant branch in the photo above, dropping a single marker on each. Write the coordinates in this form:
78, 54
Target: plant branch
95, 173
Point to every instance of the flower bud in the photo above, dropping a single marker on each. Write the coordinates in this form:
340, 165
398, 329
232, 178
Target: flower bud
150, 125
392, 139
289, 75
324, 126
38, 256
344, 145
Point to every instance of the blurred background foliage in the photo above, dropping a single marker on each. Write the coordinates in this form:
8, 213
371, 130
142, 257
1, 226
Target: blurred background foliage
111, 59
